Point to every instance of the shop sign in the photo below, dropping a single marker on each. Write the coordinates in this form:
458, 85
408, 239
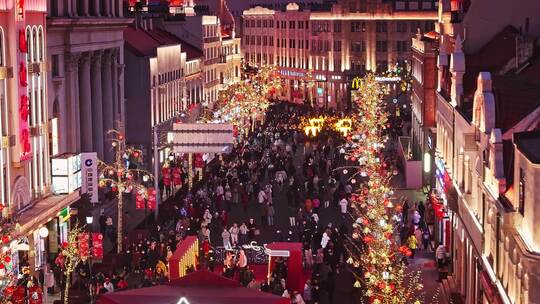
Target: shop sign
355, 83
64, 214
66, 173
97, 245
89, 164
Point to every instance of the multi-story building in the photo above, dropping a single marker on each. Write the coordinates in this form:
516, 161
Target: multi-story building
487, 91
238, 7
217, 40
86, 88
25, 182
155, 66
320, 52
424, 85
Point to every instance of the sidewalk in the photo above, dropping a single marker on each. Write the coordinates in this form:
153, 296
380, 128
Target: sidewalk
425, 264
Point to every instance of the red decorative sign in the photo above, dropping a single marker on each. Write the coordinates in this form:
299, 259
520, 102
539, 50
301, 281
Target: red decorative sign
23, 81
83, 242
20, 8
97, 245
199, 162
177, 176
35, 295
152, 198
139, 201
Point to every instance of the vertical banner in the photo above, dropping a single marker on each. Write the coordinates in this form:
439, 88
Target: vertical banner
24, 148
89, 175
177, 176
151, 198
83, 240
139, 200
97, 245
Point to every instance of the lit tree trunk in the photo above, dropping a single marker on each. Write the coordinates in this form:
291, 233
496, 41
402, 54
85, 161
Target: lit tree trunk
120, 222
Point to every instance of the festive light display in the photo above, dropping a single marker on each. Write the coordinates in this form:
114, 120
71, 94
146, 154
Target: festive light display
70, 256
121, 178
243, 103
374, 252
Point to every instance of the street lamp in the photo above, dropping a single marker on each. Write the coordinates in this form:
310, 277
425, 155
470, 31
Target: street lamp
89, 220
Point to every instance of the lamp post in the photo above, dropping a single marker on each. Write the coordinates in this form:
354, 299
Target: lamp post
43, 233
121, 178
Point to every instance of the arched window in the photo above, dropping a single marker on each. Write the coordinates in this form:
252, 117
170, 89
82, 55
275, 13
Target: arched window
41, 43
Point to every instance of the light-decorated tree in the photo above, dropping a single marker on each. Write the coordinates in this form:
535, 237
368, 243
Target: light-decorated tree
7, 277
122, 178
245, 102
71, 256
375, 255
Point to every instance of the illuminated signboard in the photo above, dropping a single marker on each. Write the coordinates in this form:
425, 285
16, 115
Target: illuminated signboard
66, 173
355, 83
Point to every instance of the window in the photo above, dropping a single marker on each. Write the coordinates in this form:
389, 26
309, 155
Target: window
382, 66
246, 40
337, 65
278, 42
326, 45
258, 23
292, 44
284, 43
271, 40
401, 46
382, 46
381, 27
277, 24
522, 191
307, 25
283, 24
401, 26
356, 46
300, 24
265, 23
337, 26
271, 23
357, 65
337, 45
258, 40
357, 27
252, 40
265, 41
291, 24
415, 25
54, 64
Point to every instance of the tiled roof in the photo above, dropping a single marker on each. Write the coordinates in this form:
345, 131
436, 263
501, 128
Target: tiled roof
138, 41
144, 42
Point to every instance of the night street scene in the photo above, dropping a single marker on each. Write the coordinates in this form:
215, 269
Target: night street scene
270, 152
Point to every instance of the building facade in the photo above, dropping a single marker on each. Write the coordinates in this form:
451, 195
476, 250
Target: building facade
156, 67
25, 183
487, 94
222, 58
86, 49
320, 52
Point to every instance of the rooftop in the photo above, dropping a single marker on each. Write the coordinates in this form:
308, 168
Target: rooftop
529, 144
144, 42
517, 92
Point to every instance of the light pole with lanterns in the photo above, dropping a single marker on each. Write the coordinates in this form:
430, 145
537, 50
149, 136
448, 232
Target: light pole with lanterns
122, 179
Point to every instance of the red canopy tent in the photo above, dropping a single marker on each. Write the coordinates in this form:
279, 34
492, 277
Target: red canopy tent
293, 252
200, 287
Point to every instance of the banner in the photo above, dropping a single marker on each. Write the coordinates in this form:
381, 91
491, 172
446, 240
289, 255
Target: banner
139, 201
97, 245
89, 175
83, 242
177, 176
151, 198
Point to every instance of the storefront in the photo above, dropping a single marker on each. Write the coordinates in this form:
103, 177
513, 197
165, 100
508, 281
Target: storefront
444, 204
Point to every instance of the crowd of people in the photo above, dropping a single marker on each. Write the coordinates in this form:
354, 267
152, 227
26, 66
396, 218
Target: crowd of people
276, 170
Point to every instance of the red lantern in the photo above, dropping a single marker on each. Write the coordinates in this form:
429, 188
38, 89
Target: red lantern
2, 266
7, 259
22, 75
5, 239
22, 41
136, 154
